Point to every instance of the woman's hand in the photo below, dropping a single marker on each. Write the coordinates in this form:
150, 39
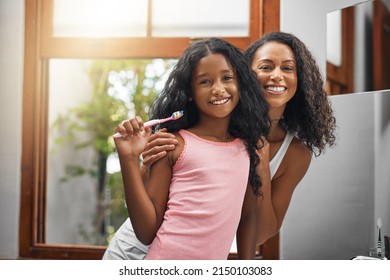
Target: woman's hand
157, 147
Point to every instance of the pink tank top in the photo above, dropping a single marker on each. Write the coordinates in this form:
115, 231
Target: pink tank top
205, 200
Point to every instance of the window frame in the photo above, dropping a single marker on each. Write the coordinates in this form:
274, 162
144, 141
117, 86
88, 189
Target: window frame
40, 46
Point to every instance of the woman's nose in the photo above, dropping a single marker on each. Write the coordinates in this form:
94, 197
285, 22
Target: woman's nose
276, 74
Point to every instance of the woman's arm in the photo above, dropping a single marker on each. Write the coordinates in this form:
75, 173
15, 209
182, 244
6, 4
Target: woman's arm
277, 194
158, 145
247, 228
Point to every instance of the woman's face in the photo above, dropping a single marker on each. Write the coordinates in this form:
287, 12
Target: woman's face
276, 69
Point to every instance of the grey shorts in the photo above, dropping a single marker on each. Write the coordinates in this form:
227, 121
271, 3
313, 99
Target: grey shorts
125, 245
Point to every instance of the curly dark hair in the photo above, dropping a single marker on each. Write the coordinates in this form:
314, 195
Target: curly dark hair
249, 120
308, 114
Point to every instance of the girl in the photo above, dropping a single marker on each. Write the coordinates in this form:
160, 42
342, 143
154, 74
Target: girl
205, 189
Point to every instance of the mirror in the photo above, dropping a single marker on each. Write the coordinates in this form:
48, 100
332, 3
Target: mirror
358, 40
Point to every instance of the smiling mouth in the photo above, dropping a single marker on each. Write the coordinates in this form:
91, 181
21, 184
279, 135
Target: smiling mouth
276, 90
220, 101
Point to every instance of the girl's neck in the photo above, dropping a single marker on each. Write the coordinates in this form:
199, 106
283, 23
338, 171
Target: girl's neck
212, 130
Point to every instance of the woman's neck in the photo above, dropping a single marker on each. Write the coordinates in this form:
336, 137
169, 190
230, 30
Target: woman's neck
275, 114
276, 132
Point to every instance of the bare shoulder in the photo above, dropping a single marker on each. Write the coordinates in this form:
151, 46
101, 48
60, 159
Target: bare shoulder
299, 150
296, 161
176, 152
297, 158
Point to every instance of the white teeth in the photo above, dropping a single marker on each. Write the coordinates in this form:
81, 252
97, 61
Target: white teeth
219, 102
277, 89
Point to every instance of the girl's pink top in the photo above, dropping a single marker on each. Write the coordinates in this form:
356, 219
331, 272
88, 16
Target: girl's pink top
205, 200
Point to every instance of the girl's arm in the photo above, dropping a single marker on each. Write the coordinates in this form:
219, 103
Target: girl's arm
247, 228
145, 207
273, 204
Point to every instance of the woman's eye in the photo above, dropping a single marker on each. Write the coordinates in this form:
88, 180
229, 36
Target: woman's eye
264, 67
288, 68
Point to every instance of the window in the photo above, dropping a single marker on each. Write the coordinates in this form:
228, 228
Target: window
62, 45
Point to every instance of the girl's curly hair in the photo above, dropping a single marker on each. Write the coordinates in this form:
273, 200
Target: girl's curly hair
308, 114
249, 120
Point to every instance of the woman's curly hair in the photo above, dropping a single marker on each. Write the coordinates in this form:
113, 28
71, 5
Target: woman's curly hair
249, 120
308, 114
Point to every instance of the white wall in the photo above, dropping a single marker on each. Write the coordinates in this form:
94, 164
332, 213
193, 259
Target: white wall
382, 160
11, 85
333, 212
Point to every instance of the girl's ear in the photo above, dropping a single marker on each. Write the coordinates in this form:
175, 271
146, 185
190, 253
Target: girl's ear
189, 99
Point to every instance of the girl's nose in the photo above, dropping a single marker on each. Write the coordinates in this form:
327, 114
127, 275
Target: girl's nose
218, 89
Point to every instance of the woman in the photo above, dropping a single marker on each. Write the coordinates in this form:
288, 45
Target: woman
302, 124
300, 114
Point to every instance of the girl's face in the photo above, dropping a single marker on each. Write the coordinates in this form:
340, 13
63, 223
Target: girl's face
215, 86
276, 69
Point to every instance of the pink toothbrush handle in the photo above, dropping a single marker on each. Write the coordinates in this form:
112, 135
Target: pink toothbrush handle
147, 124
151, 123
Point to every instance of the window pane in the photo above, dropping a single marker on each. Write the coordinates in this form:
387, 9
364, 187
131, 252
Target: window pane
87, 99
103, 18
200, 18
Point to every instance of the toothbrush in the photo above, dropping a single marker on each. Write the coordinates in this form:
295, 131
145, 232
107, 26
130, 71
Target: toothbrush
379, 242
176, 115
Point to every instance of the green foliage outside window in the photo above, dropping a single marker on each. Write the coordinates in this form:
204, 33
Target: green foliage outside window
120, 89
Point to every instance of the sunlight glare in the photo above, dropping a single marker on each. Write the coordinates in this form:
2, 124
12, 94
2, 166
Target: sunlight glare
103, 18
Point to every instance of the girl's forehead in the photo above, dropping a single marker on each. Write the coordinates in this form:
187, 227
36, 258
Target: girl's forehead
213, 56
212, 61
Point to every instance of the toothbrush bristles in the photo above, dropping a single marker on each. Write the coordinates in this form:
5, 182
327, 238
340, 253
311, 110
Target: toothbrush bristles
379, 222
177, 114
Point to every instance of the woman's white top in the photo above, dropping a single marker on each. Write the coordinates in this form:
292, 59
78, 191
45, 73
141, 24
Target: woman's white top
277, 159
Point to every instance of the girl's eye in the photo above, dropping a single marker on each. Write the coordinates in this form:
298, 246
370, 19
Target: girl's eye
228, 78
204, 82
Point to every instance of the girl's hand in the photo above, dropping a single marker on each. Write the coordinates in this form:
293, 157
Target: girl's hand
134, 138
157, 147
